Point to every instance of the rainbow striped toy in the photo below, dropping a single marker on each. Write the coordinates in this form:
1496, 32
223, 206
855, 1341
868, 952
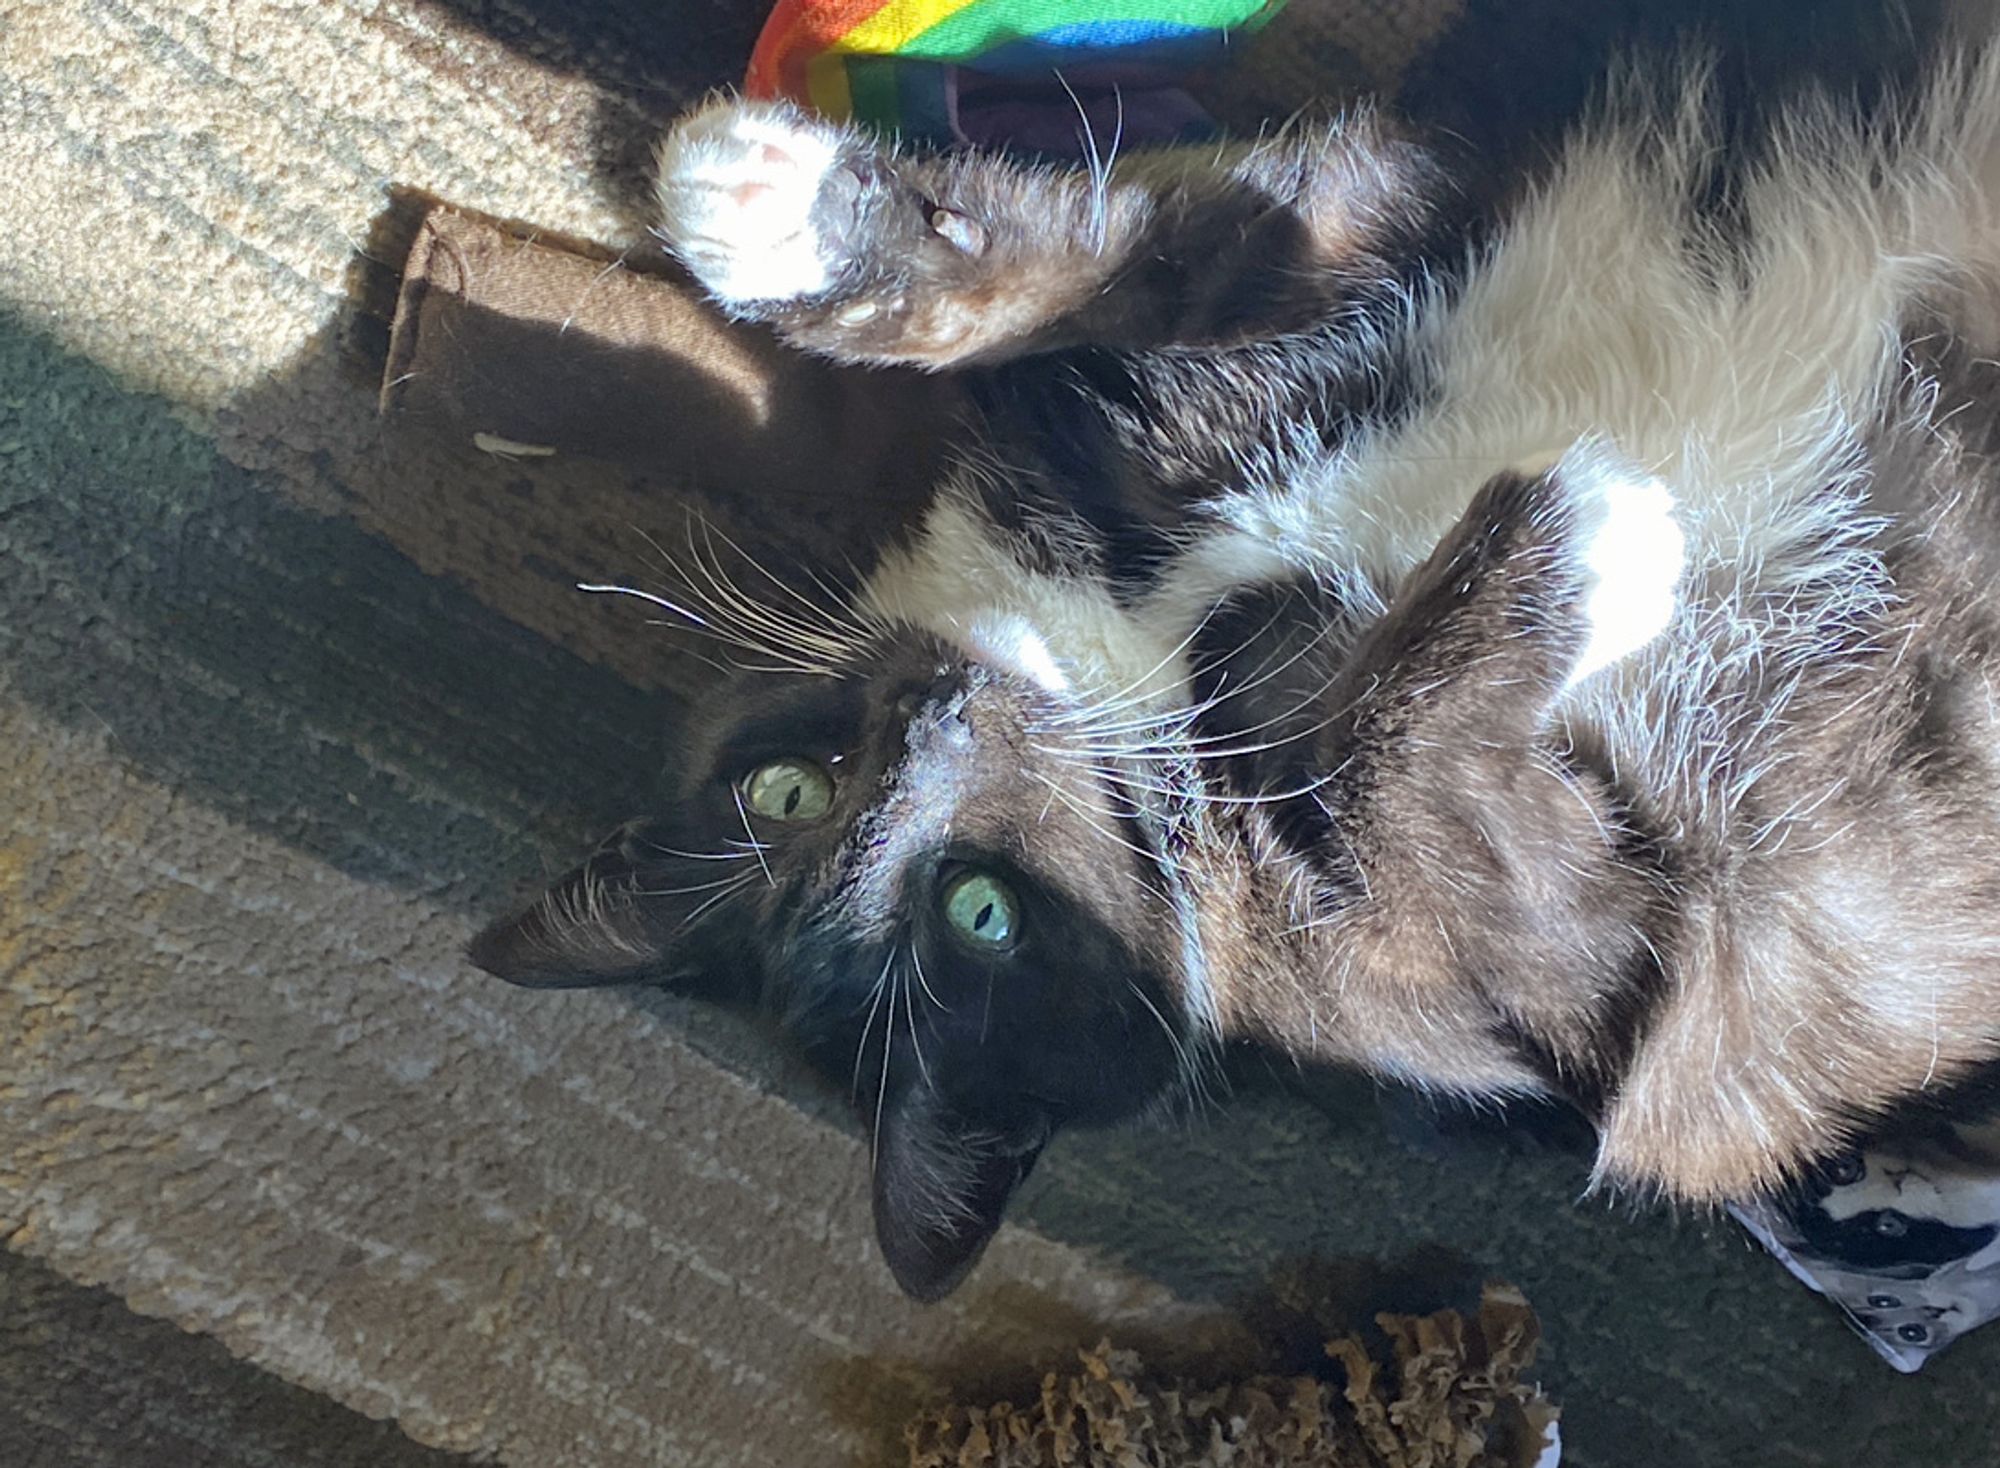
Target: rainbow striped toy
999, 70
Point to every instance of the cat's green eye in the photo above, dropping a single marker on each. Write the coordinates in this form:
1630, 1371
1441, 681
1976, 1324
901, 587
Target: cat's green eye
789, 790
982, 909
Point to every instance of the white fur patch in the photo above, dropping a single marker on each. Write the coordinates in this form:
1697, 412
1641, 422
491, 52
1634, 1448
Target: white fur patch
1013, 644
960, 581
737, 185
1630, 543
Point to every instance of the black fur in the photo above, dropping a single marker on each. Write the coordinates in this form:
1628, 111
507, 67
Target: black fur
1194, 330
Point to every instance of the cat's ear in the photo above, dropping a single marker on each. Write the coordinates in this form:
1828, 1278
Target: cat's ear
941, 1186
609, 921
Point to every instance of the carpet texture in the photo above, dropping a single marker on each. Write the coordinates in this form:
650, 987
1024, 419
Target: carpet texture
287, 707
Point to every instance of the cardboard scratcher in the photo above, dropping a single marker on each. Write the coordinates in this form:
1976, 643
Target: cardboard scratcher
532, 351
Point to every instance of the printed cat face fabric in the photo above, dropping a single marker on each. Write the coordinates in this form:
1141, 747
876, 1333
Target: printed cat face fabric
1902, 1235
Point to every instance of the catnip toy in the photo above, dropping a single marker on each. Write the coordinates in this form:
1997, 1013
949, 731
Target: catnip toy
1036, 75
1436, 1391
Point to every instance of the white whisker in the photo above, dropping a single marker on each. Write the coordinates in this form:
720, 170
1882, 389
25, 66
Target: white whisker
910, 1016
918, 959
729, 889
867, 1024
756, 846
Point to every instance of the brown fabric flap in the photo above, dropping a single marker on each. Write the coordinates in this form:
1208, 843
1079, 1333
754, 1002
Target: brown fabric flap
541, 352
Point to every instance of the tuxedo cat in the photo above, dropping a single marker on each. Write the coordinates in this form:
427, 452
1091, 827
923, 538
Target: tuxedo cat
1525, 640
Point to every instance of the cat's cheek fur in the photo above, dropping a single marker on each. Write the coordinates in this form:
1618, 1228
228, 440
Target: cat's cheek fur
741, 188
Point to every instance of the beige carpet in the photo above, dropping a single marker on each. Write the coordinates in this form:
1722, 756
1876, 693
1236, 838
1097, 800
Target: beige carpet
284, 710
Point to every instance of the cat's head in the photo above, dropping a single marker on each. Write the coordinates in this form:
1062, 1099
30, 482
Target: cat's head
944, 898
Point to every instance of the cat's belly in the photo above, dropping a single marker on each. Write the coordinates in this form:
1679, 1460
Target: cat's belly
1749, 363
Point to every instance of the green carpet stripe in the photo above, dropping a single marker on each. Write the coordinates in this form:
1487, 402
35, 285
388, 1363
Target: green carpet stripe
86, 1383
289, 668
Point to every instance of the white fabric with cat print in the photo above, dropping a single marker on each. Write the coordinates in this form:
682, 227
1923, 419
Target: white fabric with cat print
1903, 1236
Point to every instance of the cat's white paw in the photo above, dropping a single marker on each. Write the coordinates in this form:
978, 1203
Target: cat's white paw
1632, 551
737, 186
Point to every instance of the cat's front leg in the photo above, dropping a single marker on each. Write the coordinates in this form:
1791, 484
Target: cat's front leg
1555, 572
844, 245
869, 254
756, 199
1476, 891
